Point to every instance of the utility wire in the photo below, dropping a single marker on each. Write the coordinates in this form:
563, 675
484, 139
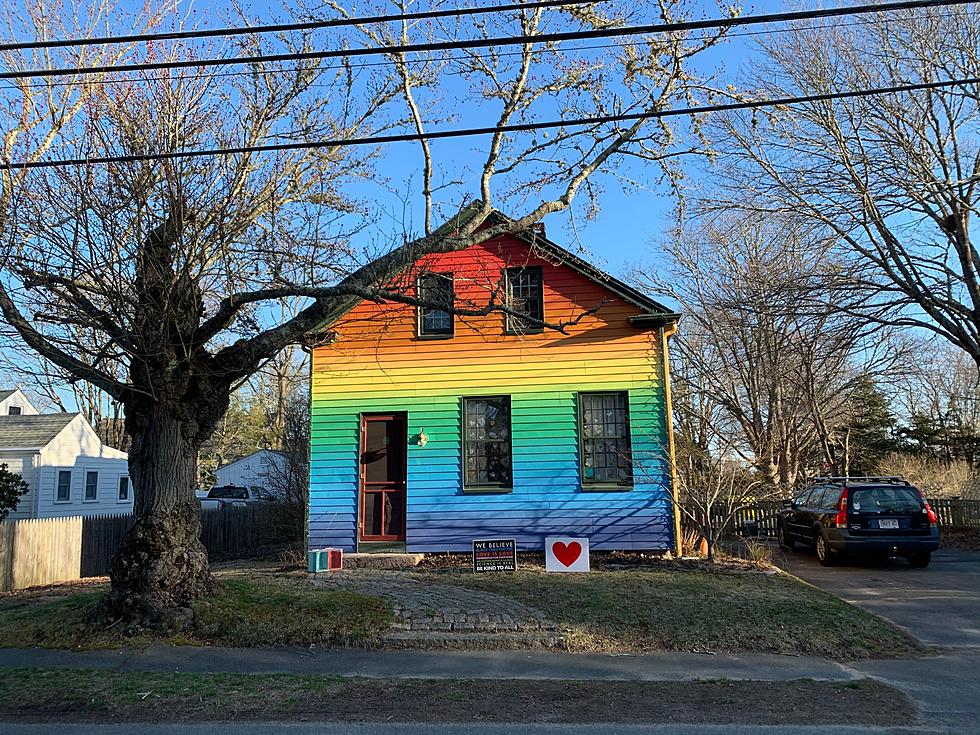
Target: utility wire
517, 127
525, 40
286, 27
390, 62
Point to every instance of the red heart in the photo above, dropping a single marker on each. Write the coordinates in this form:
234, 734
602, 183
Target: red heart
566, 554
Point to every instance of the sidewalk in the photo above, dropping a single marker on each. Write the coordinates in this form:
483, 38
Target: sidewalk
945, 687
437, 664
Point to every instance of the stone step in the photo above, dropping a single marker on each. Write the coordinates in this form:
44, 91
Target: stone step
382, 560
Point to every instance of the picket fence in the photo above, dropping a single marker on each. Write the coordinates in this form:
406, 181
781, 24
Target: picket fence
45, 551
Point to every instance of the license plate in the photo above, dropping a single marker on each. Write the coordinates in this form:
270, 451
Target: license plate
887, 523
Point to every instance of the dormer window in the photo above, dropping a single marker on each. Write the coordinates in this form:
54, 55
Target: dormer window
437, 293
14, 410
525, 296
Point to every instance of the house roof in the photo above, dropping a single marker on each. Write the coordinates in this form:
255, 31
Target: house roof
249, 456
654, 313
32, 432
5, 394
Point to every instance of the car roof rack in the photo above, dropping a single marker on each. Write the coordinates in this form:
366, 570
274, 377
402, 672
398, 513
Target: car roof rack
895, 479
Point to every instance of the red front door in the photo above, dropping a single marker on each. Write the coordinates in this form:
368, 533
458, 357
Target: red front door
384, 443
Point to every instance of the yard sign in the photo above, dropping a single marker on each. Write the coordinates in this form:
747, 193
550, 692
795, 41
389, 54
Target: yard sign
565, 554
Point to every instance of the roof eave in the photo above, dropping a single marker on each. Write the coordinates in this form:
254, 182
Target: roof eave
654, 320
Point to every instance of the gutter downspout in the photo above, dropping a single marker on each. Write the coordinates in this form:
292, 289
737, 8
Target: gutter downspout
666, 332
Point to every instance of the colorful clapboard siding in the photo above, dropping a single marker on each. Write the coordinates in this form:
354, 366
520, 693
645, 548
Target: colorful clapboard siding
377, 364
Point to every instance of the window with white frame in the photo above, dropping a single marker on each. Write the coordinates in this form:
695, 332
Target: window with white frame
123, 488
63, 494
91, 485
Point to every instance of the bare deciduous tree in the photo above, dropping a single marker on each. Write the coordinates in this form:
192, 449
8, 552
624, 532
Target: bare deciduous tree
769, 364
892, 177
178, 266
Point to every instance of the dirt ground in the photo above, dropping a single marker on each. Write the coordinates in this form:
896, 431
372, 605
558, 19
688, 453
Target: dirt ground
134, 698
964, 539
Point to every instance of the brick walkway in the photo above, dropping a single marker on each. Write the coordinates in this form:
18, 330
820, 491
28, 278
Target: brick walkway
433, 614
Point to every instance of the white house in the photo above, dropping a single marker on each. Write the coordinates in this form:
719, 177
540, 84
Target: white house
68, 468
258, 469
15, 403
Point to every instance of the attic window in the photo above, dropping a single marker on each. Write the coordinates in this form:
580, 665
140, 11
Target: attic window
14, 410
525, 296
437, 291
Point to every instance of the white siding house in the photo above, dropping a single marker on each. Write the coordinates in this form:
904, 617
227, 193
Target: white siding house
259, 469
14, 402
69, 470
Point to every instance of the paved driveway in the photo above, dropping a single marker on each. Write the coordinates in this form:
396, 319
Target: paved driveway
939, 605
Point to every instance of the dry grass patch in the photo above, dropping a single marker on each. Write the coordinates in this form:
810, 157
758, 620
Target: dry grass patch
246, 610
102, 696
677, 609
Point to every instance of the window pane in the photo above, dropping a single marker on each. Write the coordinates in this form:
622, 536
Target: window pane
14, 411
605, 435
124, 488
91, 485
64, 485
436, 288
487, 460
524, 295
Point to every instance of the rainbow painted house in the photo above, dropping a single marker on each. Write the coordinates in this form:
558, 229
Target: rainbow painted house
431, 429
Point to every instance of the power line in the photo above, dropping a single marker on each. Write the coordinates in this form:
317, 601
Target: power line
525, 40
517, 127
389, 62
286, 27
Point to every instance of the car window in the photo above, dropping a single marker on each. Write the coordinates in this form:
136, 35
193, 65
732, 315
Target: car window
818, 499
802, 497
229, 493
886, 499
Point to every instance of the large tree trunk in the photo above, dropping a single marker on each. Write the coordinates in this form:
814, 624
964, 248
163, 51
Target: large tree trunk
161, 564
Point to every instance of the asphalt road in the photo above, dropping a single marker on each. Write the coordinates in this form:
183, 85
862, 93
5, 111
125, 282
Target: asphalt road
326, 728
939, 605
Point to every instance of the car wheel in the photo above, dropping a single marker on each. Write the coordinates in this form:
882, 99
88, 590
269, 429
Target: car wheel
920, 558
824, 555
785, 542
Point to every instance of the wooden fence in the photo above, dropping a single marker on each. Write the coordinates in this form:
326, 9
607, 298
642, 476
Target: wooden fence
34, 552
760, 518
37, 552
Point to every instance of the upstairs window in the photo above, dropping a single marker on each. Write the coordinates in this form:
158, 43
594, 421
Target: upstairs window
64, 486
525, 297
604, 428
487, 449
437, 290
123, 488
91, 485
14, 410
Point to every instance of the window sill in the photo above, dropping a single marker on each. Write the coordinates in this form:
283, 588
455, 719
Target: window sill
607, 487
487, 490
66, 501
434, 336
90, 500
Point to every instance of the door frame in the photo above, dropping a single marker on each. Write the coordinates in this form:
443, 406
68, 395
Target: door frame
397, 416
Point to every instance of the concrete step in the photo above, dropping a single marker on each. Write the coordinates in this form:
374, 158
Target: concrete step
382, 561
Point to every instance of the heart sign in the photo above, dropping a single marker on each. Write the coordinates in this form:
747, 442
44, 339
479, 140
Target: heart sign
566, 554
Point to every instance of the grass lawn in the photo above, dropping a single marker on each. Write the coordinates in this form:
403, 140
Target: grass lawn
256, 610
686, 609
32, 694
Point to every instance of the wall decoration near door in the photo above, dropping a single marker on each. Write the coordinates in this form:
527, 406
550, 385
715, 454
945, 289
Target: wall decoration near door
384, 441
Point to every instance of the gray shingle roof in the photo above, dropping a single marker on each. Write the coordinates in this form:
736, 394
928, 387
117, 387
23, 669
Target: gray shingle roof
28, 432
5, 394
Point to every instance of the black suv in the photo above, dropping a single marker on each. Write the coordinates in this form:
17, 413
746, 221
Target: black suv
869, 515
